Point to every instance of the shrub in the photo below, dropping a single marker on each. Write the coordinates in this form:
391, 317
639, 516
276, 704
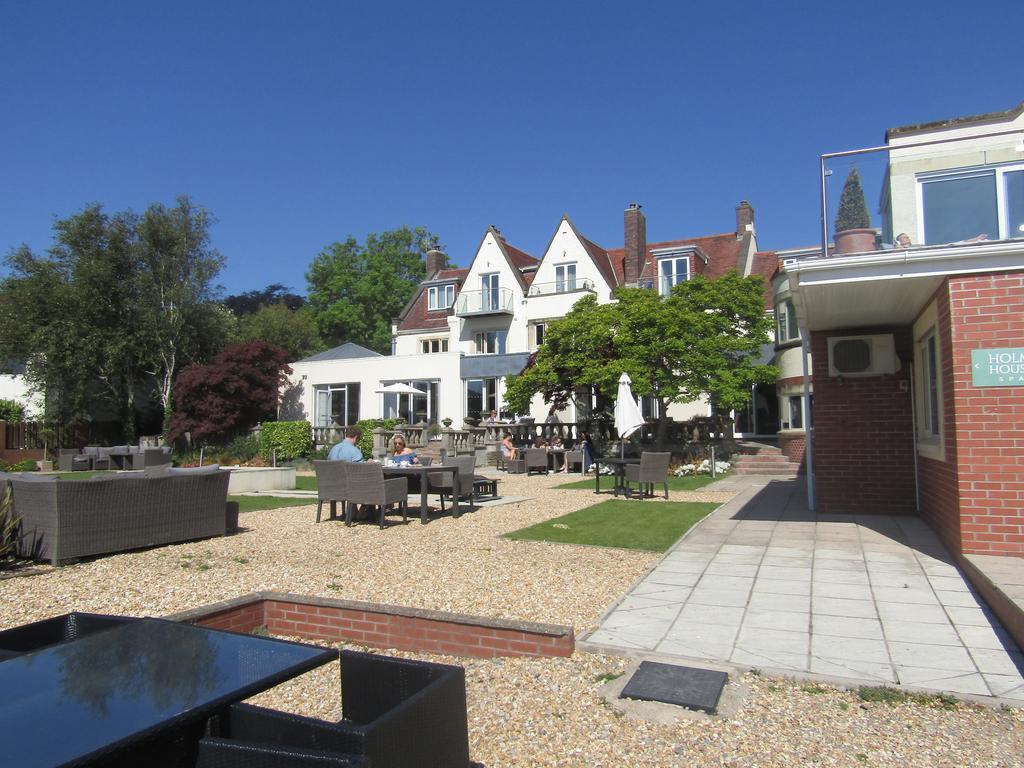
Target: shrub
243, 448
368, 425
8, 525
853, 209
292, 439
11, 410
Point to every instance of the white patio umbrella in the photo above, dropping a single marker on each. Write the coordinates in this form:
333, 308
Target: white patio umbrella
628, 418
398, 388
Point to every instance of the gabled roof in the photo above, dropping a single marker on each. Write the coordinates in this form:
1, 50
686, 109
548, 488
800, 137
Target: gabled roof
416, 316
597, 254
346, 351
517, 259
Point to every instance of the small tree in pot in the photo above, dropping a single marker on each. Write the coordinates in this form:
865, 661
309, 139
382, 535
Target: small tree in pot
853, 232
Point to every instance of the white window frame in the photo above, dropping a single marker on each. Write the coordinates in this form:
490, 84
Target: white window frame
537, 333
426, 345
565, 277
998, 172
483, 342
490, 291
786, 326
930, 431
663, 289
438, 293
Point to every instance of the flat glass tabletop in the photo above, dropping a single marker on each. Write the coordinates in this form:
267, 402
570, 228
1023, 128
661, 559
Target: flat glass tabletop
74, 701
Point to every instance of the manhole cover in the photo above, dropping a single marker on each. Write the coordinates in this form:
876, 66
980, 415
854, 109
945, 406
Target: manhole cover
688, 687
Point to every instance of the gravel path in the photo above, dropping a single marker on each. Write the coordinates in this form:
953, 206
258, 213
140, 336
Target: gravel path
522, 712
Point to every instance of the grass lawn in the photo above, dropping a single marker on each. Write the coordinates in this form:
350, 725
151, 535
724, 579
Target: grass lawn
687, 483
649, 525
259, 503
305, 482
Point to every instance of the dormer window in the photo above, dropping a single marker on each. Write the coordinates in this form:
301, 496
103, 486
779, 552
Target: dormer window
440, 296
672, 270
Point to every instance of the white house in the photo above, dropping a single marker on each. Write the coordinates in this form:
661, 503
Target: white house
466, 330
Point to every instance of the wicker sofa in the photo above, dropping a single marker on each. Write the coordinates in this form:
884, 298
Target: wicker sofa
63, 520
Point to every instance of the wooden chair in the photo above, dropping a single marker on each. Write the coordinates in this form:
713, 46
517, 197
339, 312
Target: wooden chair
331, 485
653, 468
366, 485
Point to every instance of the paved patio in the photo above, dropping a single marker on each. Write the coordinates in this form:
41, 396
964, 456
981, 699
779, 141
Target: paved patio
765, 583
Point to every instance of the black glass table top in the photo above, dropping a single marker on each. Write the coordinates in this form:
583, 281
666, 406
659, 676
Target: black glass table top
70, 702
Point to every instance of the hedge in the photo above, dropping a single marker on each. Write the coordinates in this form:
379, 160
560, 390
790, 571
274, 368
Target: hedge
292, 439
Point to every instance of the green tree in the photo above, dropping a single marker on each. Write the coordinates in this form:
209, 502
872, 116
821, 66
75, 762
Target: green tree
853, 208
117, 304
249, 302
292, 330
702, 340
180, 320
356, 290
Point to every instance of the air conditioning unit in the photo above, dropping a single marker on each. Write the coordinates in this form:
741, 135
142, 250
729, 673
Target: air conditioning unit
851, 356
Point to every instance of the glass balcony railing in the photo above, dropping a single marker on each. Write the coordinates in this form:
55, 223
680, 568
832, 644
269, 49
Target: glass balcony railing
562, 286
493, 302
924, 189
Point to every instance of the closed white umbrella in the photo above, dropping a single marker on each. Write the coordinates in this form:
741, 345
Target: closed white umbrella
399, 389
628, 418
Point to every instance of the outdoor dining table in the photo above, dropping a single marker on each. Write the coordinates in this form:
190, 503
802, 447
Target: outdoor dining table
420, 470
619, 472
123, 692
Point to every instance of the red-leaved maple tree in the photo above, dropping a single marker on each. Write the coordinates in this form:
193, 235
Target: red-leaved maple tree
239, 389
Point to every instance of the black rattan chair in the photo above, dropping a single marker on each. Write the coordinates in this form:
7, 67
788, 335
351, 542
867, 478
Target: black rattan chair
398, 713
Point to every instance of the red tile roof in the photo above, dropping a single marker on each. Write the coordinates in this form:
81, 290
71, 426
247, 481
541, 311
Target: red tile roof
519, 259
767, 264
601, 260
418, 317
723, 252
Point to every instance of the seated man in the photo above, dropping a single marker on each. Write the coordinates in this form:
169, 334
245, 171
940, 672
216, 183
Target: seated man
347, 450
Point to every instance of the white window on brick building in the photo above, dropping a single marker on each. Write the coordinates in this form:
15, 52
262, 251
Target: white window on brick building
928, 352
671, 272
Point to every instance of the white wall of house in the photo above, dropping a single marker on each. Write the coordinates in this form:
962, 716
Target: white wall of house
490, 260
371, 373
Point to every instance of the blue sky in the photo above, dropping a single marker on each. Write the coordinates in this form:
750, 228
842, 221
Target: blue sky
300, 123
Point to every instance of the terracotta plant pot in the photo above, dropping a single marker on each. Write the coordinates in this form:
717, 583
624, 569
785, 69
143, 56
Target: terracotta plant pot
855, 241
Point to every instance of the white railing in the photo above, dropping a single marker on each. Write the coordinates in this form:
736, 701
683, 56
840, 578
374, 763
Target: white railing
562, 286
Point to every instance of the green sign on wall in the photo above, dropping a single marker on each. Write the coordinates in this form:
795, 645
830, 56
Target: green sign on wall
997, 367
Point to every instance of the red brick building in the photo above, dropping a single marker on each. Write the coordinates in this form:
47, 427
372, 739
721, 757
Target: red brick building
918, 350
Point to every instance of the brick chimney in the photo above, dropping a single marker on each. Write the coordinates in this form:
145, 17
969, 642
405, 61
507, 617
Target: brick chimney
636, 243
744, 219
435, 262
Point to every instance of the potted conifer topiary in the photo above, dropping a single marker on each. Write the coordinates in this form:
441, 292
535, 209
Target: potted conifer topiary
853, 232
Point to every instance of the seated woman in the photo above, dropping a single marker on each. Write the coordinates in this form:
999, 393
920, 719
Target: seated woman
402, 453
508, 448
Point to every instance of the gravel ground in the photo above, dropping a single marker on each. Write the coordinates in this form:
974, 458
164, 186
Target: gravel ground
522, 712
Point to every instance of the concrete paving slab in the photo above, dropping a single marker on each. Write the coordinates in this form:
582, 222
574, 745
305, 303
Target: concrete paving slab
763, 583
933, 679
845, 626
837, 606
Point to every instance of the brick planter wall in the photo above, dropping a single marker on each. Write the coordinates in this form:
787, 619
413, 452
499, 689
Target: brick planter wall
793, 444
384, 626
987, 311
863, 440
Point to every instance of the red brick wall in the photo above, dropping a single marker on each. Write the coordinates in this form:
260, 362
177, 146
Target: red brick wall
937, 480
863, 443
987, 311
242, 618
794, 446
410, 633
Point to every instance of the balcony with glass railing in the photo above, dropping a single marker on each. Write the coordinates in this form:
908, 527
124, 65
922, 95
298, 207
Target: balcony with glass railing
493, 302
562, 286
935, 189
